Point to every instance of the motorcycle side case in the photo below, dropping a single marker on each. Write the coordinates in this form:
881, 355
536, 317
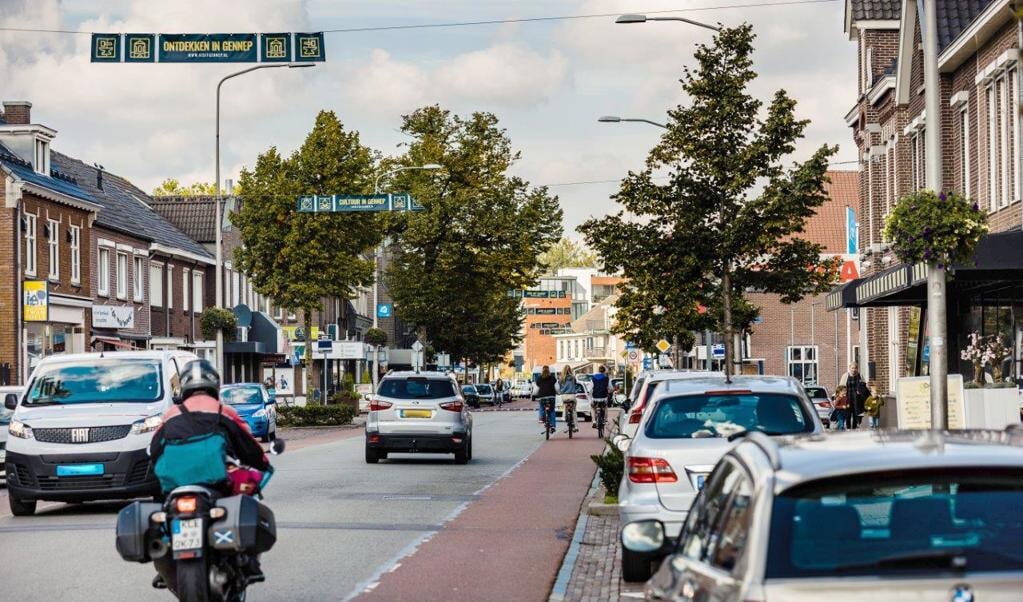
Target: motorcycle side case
249, 526
134, 531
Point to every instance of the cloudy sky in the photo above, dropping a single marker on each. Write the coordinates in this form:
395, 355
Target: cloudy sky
547, 82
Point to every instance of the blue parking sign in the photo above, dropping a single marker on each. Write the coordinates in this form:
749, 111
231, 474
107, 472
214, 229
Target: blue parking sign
384, 310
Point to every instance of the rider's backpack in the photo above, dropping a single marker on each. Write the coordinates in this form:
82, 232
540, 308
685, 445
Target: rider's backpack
196, 460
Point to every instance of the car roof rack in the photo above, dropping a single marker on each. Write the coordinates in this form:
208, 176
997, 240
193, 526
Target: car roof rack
764, 442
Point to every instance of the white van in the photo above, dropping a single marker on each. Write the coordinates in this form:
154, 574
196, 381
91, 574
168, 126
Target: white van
82, 428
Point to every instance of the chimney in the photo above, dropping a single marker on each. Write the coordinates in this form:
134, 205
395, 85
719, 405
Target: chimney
18, 112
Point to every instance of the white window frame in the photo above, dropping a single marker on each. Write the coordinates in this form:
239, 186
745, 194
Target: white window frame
292, 315
103, 272
121, 274
155, 284
53, 249
964, 148
278, 312
31, 240
991, 98
1013, 79
138, 278
197, 291
170, 286
235, 288
41, 149
186, 280
76, 254
1003, 140
803, 361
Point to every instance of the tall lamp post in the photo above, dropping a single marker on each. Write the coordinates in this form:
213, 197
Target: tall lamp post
219, 302
376, 258
631, 19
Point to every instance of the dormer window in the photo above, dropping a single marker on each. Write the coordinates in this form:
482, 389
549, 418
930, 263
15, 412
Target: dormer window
42, 156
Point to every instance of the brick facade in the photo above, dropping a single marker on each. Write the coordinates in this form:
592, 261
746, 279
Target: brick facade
116, 243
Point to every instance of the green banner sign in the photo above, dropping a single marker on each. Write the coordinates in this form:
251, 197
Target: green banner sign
139, 47
351, 203
208, 48
275, 48
309, 47
106, 48
543, 294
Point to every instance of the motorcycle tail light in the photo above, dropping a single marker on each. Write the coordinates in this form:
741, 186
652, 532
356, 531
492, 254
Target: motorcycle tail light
186, 504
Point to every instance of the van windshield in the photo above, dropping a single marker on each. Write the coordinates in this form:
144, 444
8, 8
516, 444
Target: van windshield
100, 381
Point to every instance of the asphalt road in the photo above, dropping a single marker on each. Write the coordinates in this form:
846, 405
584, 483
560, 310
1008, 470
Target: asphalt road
341, 523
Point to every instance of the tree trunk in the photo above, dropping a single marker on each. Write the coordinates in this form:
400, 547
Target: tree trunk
307, 321
726, 287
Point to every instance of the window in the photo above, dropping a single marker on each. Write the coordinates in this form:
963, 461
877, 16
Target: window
197, 277
138, 282
1013, 167
75, 234
122, 276
42, 157
964, 149
416, 388
103, 273
235, 288
170, 286
802, 363
992, 147
156, 284
185, 299
53, 246
707, 509
888, 176
1003, 142
278, 312
729, 539
291, 315
914, 152
30, 245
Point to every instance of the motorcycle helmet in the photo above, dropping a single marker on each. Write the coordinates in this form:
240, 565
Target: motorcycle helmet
199, 376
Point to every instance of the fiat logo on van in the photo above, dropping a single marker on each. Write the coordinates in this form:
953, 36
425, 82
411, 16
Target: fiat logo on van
79, 435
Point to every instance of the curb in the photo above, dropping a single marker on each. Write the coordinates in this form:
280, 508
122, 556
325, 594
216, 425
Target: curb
602, 509
568, 563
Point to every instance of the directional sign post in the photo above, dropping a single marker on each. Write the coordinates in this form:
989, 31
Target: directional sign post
417, 356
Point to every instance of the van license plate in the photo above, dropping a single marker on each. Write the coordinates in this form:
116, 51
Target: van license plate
79, 470
186, 534
416, 413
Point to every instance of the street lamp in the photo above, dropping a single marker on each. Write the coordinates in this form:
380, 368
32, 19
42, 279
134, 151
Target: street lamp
617, 119
630, 19
220, 201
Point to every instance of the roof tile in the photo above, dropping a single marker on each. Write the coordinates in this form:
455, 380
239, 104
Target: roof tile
828, 227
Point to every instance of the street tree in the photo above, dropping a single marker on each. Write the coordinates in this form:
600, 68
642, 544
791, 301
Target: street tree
172, 187
567, 253
480, 237
299, 259
729, 217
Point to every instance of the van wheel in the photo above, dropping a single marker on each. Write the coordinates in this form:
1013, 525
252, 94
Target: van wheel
21, 507
635, 568
371, 456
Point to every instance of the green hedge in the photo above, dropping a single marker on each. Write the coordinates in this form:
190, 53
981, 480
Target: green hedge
612, 466
315, 415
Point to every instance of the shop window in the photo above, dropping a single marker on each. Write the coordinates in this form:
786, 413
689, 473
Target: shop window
802, 363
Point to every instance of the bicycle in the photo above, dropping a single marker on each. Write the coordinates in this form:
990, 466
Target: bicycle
600, 418
548, 415
570, 417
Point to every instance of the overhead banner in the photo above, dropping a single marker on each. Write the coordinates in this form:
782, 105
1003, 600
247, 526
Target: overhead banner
350, 203
36, 306
207, 47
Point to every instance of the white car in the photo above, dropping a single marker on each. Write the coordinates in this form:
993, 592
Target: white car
5, 420
645, 388
583, 403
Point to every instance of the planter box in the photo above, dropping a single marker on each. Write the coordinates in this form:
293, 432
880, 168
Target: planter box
991, 408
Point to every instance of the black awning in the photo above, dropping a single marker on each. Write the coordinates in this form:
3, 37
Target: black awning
245, 347
843, 295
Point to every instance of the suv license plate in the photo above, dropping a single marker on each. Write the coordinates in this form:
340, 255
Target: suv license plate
186, 535
416, 413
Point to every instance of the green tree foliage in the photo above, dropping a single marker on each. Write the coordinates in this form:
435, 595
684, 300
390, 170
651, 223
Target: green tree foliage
298, 259
480, 236
567, 253
729, 217
171, 187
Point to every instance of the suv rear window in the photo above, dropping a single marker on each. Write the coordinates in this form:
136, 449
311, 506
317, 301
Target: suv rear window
897, 523
703, 416
416, 388
816, 392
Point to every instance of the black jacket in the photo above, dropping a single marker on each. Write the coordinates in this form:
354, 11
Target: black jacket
547, 387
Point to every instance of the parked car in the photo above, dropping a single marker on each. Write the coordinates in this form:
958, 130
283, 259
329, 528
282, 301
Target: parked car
471, 396
364, 392
522, 389
685, 431
82, 429
914, 515
486, 393
821, 401
5, 421
418, 412
583, 403
645, 389
254, 405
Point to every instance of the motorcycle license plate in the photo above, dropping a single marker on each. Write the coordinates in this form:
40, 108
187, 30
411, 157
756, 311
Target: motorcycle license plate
186, 535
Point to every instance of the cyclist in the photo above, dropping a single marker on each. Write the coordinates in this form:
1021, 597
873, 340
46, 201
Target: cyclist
568, 387
601, 392
546, 389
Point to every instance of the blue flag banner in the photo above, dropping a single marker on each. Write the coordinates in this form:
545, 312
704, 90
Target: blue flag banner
106, 48
139, 48
309, 47
207, 47
275, 48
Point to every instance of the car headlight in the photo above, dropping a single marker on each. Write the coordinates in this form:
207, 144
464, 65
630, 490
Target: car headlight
19, 429
147, 426
260, 413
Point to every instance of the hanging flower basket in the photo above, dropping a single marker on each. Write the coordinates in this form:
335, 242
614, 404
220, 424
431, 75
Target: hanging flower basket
937, 229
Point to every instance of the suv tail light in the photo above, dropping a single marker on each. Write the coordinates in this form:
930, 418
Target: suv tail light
824, 404
376, 405
452, 406
582, 396
651, 470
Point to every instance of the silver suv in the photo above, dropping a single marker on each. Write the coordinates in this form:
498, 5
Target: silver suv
418, 412
889, 515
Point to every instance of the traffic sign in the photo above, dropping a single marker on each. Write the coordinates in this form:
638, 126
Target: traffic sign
663, 346
633, 355
384, 310
719, 351
630, 345
647, 363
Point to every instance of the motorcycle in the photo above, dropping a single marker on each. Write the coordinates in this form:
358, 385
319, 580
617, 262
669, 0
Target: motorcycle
204, 544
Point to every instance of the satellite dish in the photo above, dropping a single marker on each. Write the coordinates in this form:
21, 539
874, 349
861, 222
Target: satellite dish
244, 315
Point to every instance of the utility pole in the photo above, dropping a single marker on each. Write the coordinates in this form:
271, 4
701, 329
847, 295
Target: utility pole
936, 297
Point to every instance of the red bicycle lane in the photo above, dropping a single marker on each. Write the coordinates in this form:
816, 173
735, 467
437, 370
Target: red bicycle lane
508, 544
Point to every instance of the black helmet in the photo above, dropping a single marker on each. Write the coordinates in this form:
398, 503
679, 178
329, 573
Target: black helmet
199, 376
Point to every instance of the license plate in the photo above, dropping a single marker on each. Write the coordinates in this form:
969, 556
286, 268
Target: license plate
416, 413
79, 470
698, 480
186, 534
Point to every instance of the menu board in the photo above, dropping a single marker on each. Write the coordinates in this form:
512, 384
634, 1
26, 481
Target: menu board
913, 401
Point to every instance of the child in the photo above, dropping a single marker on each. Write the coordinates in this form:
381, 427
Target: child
872, 407
841, 407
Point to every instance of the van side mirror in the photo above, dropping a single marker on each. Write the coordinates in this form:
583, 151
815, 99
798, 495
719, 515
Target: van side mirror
11, 401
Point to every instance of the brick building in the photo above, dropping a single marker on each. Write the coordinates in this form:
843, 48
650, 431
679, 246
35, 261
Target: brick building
980, 75
803, 339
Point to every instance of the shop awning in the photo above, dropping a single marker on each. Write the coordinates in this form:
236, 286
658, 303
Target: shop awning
844, 295
112, 341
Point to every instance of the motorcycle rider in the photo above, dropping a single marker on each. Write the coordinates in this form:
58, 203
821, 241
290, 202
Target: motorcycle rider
197, 412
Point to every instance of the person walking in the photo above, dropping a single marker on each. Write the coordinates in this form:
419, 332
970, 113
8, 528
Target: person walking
872, 407
857, 391
546, 389
567, 386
